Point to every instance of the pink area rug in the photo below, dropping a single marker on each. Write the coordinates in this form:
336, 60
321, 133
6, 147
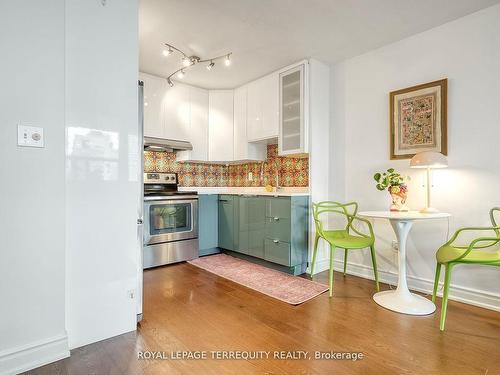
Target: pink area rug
290, 289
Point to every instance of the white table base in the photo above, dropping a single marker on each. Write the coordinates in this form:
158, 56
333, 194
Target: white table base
411, 304
402, 300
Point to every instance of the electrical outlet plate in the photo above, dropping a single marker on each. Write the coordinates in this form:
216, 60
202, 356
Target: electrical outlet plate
250, 176
30, 136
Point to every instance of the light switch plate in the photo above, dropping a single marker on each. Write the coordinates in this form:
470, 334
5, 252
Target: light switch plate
30, 136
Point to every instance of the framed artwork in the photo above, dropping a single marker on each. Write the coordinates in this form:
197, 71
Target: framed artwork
418, 119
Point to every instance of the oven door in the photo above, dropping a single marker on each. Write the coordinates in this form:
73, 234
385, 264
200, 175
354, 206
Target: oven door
171, 219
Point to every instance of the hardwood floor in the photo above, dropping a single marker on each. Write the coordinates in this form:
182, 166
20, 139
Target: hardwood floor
186, 308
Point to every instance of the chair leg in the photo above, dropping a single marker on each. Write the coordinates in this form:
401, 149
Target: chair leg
444, 303
332, 250
375, 271
345, 261
315, 251
436, 282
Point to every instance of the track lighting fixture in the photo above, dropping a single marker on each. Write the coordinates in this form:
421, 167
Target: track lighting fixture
189, 61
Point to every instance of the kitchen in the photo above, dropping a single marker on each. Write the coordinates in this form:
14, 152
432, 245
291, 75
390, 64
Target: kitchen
227, 170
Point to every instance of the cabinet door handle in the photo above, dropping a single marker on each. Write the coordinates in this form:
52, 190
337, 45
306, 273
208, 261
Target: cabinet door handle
276, 241
276, 218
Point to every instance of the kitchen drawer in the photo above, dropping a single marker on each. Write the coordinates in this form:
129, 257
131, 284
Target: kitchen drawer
277, 252
278, 228
279, 207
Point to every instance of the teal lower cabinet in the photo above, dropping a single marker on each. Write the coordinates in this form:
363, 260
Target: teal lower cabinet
287, 232
208, 224
272, 231
256, 226
228, 221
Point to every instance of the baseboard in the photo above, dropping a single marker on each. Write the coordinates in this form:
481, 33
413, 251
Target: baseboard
33, 355
470, 296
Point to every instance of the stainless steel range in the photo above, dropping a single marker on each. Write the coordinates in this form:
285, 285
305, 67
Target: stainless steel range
170, 221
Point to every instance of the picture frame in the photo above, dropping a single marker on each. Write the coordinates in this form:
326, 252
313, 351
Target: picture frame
418, 119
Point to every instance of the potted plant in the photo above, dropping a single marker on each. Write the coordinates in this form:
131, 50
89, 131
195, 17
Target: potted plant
395, 185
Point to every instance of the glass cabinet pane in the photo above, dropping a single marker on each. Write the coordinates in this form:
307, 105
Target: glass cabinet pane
291, 102
169, 218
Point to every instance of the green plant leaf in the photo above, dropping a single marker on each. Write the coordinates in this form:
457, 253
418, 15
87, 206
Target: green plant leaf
377, 176
390, 170
380, 187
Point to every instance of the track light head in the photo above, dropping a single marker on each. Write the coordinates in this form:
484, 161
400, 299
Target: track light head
227, 60
170, 83
186, 61
167, 52
181, 74
211, 65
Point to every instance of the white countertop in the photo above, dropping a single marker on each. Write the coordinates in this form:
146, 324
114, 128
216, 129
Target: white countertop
283, 192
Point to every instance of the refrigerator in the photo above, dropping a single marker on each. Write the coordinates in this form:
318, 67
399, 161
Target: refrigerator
140, 202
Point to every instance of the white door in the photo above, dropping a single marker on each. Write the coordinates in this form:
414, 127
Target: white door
154, 91
240, 123
254, 111
291, 138
177, 112
244, 150
220, 125
198, 130
269, 88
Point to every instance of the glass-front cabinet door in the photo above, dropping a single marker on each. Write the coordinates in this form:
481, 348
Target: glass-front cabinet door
292, 134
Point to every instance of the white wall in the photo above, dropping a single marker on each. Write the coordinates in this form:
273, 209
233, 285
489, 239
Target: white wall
102, 167
467, 52
32, 259
319, 135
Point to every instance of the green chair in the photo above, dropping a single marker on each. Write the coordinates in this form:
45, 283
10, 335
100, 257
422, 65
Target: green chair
450, 255
348, 238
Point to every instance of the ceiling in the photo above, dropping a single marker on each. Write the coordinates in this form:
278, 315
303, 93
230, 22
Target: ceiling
265, 35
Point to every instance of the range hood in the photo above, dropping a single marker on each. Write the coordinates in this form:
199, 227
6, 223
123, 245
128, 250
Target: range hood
165, 145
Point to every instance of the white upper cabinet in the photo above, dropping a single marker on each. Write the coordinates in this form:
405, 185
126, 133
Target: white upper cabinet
220, 126
254, 111
263, 108
198, 126
293, 100
166, 109
270, 106
177, 112
154, 91
243, 150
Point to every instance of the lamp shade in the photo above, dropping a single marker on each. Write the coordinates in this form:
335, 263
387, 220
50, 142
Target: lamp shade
429, 159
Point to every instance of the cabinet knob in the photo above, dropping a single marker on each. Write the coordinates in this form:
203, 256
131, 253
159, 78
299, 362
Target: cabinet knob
276, 241
276, 218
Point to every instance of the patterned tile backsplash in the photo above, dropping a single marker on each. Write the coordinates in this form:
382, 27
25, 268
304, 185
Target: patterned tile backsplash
293, 171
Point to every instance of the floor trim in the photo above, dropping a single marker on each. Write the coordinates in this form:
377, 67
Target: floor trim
33, 355
470, 296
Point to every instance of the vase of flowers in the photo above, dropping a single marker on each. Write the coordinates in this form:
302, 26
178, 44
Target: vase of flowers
395, 184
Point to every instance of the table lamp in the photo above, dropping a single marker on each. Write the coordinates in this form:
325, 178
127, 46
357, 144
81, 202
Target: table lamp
428, 159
